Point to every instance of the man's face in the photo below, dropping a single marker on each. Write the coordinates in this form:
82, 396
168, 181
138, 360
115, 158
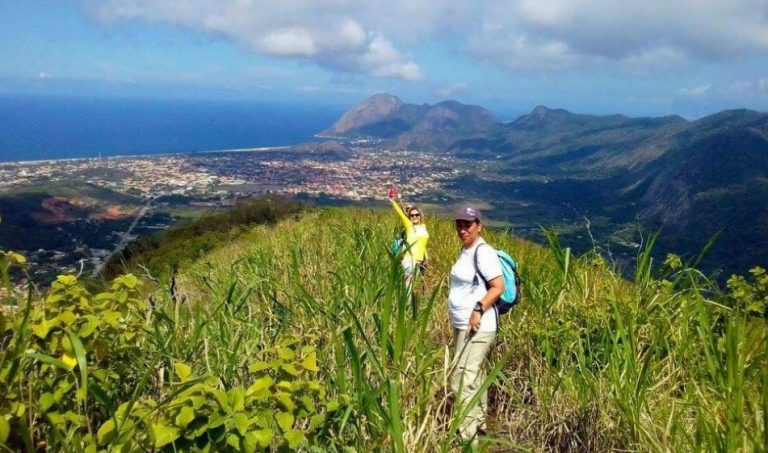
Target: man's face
468, 231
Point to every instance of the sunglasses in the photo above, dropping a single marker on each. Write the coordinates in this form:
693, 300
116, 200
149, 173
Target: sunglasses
414, 215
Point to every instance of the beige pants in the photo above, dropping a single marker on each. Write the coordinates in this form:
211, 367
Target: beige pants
468, 377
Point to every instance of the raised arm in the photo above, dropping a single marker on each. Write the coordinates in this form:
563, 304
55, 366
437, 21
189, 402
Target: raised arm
403, 218
392, 194
400, 202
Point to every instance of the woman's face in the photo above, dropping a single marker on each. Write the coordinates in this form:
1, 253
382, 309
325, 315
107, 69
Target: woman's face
415, 216
468, 231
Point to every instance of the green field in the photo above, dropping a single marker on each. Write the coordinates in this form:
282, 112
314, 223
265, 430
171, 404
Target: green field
299, 335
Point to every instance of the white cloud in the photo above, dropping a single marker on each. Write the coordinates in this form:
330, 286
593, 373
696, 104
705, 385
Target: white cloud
383, 60
537, 36
290, 42
742, 92
452, 90
696, 91
741, 87
520, 51
762, 85
657, 58
350, 37
43, 75
630, 34
325, 32
748, 89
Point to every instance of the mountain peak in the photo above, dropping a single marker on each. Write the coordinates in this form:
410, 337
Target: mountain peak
540, 111
730, 119
383, 98
369, 111
542, 115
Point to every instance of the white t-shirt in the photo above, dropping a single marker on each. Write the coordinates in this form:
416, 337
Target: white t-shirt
464, 295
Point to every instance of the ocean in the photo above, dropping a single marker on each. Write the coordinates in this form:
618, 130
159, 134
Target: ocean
48, 127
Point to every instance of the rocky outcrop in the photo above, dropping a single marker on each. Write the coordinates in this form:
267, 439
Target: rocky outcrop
372, 110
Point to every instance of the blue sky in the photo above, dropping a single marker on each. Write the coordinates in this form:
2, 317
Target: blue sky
687, 57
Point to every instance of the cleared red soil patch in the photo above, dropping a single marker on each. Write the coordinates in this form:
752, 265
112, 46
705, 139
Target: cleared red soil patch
111, 213
56, 210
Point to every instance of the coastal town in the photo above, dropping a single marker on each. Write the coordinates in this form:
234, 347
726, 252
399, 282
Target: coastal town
363, 174
80, 211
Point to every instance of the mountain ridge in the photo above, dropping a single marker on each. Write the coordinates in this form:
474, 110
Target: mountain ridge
385, 116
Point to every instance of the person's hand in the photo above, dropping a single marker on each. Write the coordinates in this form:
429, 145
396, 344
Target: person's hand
392, 192
474, 322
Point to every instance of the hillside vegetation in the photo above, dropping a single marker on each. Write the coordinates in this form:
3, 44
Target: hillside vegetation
299, 335
165, 252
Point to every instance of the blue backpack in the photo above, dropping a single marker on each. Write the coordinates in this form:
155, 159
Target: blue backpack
399, 243
512, 281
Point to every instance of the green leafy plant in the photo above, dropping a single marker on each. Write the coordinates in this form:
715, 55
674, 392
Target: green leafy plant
750, 295
283, 405
73, 353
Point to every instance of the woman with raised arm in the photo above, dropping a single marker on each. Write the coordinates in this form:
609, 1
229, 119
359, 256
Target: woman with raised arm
476, 284
416, 236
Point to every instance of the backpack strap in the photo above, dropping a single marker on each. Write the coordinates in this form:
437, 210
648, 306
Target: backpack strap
475, 280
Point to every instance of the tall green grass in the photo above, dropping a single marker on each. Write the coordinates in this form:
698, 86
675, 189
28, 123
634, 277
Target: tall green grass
588, 360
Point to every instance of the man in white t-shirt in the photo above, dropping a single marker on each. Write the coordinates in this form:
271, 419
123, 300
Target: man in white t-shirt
471, 305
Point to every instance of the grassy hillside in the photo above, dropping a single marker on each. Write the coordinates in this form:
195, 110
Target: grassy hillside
299, 335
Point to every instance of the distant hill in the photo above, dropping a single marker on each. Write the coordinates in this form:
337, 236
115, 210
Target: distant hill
715, 163
386, 116
560, 142
559, 120
717, 182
